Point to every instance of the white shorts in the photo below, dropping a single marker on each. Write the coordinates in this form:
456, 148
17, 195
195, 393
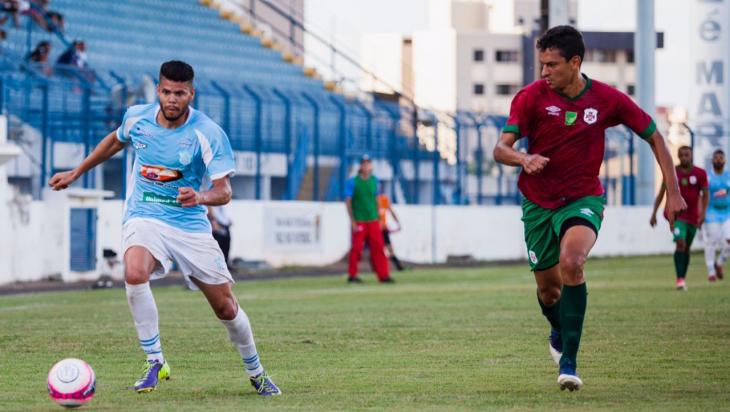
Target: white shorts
197, 254
716, 232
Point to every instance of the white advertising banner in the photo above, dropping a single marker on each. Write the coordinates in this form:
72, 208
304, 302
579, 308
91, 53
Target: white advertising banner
709, 112
293, 229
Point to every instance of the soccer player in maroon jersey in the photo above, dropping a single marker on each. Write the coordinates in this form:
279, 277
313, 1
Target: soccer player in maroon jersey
693, 187
564, 116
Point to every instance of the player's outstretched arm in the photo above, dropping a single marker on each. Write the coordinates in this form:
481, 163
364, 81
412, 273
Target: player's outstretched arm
505, 153
107, 148
219, 194
675, 203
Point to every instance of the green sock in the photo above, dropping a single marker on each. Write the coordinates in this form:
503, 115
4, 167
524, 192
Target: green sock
678, 263
572, 310
685, 265
552, 313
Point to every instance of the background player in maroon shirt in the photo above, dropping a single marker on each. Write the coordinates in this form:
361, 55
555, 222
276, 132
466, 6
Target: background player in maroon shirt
564, 116
693, 187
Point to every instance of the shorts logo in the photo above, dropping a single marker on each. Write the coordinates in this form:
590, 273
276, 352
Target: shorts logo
570, 118
533, 257
586, 211
159, 173
590, 116
676, 231
553, 110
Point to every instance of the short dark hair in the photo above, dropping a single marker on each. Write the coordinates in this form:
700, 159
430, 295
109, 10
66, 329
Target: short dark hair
566, 39
685, 147
717, 152
177, 71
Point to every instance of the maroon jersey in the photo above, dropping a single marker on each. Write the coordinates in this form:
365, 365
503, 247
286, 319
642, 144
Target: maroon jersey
691, 183
571, 133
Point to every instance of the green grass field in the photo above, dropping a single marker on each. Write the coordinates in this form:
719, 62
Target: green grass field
441, 339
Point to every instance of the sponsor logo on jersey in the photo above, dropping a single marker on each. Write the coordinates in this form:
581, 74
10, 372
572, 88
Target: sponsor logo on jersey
590, 116
144, 131
533, 257
185, 143
159, 173
553, 110
570, 118
151, 197
139, 145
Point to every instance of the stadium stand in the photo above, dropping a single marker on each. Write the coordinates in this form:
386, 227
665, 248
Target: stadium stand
266, 102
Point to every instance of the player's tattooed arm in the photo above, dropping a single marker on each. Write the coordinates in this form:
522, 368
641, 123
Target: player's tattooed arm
107, 148
505, 153
219, 194
675, 204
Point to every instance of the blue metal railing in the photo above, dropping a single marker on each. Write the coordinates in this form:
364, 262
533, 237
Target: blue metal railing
299, 166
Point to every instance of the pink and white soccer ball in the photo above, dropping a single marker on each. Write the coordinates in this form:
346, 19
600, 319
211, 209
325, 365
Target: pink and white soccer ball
71, 382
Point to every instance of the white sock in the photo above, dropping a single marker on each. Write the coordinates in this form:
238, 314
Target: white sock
710, 249
144, 312
239, 331
724, 253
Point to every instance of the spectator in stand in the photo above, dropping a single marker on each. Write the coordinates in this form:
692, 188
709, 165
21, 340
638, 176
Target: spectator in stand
74, 55
49, 20
39, 57
13, 8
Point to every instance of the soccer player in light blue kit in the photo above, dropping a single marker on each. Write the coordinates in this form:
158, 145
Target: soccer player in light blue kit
165, 219
716, 230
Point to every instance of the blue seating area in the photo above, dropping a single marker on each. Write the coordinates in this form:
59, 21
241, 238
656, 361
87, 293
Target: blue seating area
266, 105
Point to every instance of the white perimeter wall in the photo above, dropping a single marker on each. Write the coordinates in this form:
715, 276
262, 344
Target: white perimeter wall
428, 235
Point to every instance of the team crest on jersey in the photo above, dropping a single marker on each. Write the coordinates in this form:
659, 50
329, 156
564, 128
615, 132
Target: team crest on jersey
553, 110
590, 116
693, 180
184, 158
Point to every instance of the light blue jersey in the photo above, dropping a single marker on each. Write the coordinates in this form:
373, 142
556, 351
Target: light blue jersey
168, 159
718, 209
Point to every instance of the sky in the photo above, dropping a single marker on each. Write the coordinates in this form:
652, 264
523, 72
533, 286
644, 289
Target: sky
346, 20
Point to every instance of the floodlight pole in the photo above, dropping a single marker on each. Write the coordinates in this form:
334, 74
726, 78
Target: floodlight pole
645, 46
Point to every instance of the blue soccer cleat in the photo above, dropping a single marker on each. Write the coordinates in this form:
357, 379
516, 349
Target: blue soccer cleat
568, 377
264, 385
154, 371
555, 343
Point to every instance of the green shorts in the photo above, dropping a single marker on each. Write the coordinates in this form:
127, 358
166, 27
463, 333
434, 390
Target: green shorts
543, 226
684, 230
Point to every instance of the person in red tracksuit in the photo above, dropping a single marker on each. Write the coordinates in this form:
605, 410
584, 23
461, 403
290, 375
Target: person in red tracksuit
362, 206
